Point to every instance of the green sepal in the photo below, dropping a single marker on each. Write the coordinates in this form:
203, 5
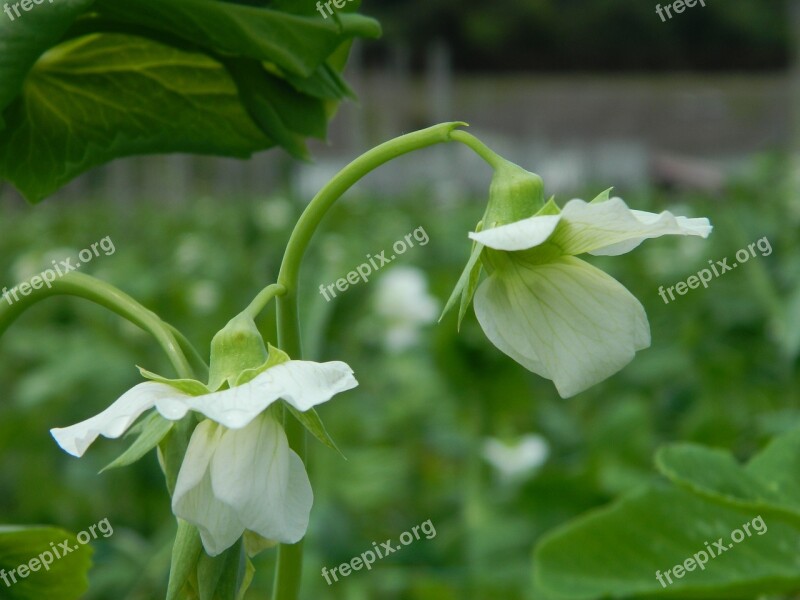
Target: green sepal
602, 196
187, 386
311, 421
467, 282
275, 357
549, 209
154, 428
235, 348
255, 544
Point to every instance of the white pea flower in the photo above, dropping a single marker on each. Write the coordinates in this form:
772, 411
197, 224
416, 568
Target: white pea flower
403, 300
515, 461
556, 314
239, 473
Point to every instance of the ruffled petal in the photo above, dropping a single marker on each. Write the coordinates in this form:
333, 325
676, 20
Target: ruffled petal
255, 472
566, 321
115, 419
610, 228
306, 384
194, 500
519, 235
303, 384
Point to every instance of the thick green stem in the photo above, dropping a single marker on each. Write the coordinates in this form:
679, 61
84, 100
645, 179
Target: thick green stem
290, 557
105, 294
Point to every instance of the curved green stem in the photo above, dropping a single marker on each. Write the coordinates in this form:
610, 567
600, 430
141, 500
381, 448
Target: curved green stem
262, 299
490, 156
290, 557
105, 294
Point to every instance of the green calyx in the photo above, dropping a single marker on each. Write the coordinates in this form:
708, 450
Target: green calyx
514, 194
237, 347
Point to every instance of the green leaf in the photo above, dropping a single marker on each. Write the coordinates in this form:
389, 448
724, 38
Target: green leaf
64, 579
311, 421
298, 44
26, 38
72, 117
282, 113
768, 481
616, 552
185, 554
154, 429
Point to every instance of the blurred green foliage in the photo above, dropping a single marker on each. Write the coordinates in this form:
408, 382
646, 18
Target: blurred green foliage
586, 35
722, 372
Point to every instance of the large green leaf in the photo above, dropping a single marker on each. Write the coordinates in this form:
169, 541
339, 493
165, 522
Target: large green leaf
83, 82
26, 38
64, 579
105, 96
768, 481
296, 43
616, 552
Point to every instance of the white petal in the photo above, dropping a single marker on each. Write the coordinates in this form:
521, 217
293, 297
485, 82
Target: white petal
256, 473
303, 384
566, 321
306, 384
115, 419
519, 235
610, 228
194, 500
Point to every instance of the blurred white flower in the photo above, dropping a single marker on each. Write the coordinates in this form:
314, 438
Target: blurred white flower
516, 461
402, 300
274, 214
190, 254
204, 296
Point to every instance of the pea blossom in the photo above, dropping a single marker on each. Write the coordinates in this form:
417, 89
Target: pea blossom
556, 314
239, 473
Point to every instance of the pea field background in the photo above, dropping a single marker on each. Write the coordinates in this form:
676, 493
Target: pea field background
698, 115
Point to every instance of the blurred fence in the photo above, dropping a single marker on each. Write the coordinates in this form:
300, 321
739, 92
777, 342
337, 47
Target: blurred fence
626, 130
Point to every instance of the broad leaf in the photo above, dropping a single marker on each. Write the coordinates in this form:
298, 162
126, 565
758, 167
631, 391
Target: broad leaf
73, 116
617, 552
64, 579
26, 38
296, 43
